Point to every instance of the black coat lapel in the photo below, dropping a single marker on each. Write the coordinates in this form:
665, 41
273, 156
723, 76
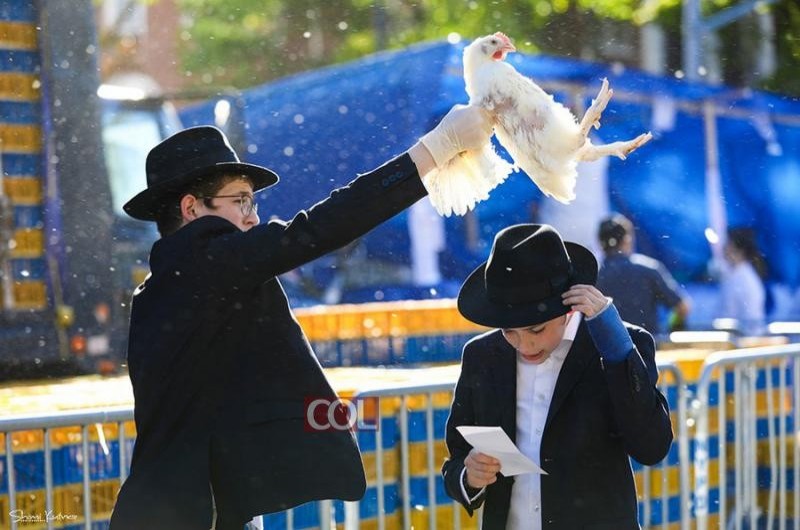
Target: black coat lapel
578, 358
504, 380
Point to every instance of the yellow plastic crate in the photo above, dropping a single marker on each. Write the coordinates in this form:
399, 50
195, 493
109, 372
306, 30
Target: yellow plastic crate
17, 35
24, 191
444, 518
28, 243
30, 295
20, 138
15, 86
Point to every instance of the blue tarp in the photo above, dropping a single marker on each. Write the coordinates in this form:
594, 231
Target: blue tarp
318, 129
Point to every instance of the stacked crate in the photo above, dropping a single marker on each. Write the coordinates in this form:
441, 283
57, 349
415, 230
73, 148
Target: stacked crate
21, 158
387, 334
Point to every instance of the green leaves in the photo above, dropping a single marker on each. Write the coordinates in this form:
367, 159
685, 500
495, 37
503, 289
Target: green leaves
247, 42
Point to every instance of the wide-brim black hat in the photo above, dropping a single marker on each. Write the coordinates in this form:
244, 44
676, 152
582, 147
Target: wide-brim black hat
185, 157
521, 283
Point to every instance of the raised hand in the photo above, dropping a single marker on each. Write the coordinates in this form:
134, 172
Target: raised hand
464, 128
585, 298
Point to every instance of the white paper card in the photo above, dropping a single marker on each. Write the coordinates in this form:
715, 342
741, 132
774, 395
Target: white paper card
494, 442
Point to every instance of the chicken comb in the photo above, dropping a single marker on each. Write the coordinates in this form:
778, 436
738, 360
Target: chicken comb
501, 35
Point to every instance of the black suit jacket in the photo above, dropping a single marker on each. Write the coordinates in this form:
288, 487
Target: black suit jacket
598, 417
220, 367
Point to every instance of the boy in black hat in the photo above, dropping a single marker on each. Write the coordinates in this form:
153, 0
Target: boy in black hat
220, 368
565, 378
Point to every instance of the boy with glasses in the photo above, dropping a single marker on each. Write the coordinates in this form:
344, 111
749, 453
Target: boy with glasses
219, 366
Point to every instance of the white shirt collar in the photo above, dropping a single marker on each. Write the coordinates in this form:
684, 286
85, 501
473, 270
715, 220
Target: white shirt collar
570, 330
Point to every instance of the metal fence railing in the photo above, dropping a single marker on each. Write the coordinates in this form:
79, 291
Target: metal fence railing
404, 394
752, 441
671, 378
402, 457
46, 424
444, 513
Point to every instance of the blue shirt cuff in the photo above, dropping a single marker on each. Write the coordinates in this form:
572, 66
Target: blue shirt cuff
609, 335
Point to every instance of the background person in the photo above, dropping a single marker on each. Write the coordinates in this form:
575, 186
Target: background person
742, 291
638, 284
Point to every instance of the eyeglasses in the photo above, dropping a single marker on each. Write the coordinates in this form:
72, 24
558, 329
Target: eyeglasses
246, 202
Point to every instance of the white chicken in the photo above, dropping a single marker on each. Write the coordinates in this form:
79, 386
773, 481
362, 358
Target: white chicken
466, 179
541, 135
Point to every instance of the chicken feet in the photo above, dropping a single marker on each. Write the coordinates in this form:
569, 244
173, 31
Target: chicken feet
589, 152
593, 113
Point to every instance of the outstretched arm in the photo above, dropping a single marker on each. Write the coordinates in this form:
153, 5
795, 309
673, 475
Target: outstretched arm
348, 213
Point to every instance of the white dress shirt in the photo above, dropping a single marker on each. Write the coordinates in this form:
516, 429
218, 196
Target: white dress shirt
535, 386
742, 293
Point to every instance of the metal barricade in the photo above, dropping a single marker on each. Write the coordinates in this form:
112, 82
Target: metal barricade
666, 467
756, 398
86, 420
405, 392
46, 423
418, 436
352, 513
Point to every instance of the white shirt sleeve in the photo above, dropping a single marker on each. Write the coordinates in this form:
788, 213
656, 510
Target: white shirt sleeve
464, 490
752, 295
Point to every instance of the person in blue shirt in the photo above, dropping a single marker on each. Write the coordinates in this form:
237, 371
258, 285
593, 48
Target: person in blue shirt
638, 284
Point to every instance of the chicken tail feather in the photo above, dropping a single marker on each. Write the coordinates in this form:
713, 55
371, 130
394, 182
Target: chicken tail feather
466, 180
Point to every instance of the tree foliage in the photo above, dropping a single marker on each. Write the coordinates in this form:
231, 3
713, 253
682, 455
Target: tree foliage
247, 42
787, 29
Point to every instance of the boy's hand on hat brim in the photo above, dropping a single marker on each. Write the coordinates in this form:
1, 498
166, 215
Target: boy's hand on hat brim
585, 298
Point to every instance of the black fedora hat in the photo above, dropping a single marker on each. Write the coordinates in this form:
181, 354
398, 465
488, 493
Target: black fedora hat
186, 156
520, 285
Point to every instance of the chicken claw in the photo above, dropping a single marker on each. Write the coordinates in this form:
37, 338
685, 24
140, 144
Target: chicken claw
631, 145
589, 152
593, 113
